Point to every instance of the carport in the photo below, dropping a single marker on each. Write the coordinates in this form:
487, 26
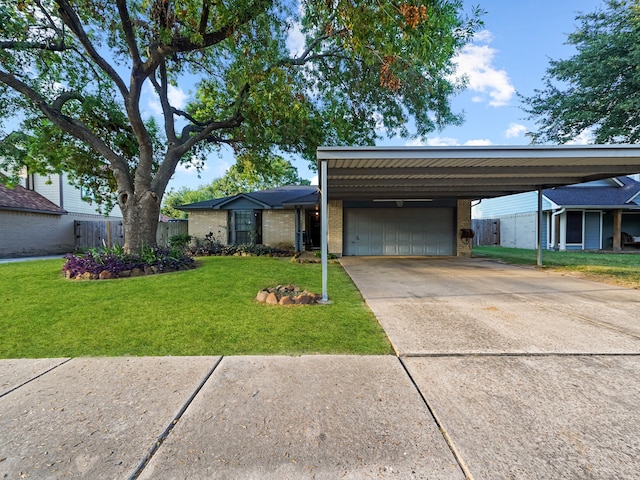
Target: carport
438, 174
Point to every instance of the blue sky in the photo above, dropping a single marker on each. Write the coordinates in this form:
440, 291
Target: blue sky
509, 56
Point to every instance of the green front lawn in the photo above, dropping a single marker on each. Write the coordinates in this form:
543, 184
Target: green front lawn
207, 311
618, 268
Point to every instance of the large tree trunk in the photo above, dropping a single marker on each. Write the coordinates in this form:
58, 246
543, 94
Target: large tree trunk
141, 213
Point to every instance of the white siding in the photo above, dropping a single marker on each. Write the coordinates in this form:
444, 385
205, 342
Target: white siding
50, 187
509, 205
519, 231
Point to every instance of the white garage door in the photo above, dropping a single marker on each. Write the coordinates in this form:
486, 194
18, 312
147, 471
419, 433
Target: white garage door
399, 231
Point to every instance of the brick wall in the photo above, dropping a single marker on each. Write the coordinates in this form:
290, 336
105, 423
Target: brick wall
278, 227
335, 227
202, 223
25, 234
464, 245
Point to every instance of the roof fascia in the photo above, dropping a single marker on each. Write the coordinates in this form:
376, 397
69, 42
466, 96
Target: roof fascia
492, 151
228, 200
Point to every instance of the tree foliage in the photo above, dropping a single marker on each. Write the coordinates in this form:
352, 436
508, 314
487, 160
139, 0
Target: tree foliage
76, 73
598, 89
247, 175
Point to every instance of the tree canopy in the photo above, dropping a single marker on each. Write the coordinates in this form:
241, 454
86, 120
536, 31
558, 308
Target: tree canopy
243, 177
76, 73
597, 90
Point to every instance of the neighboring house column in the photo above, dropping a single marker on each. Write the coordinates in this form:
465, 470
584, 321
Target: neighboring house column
463, 245
562, 232
617, 230
335, 227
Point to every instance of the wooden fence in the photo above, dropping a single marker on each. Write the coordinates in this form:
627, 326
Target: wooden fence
166, 230
96, 234
487, 231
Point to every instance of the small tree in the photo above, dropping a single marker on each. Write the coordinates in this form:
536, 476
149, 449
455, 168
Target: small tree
598, 89
75, 73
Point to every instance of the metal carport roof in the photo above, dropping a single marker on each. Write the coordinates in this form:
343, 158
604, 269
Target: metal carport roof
360, 173
473, 172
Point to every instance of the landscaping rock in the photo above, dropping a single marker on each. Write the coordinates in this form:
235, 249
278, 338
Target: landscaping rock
286, 301
304, 299
272, 299
136, 272
105, 275
287, 295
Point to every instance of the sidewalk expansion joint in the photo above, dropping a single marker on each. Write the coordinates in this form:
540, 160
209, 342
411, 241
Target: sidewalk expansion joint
455, 452
517, 354
35, 378
160, 440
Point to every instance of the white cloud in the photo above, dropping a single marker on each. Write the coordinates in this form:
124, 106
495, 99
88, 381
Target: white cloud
478, 142
475, 62
296, 40
177, 98
515, 130
585, 138
447, 142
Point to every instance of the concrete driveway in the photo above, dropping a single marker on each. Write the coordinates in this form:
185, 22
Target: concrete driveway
529, 374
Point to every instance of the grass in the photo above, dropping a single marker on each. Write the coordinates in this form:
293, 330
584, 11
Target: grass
616, 268
207, 311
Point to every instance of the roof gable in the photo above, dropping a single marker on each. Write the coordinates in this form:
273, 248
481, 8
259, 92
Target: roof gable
272, 198
20, 199
622, 192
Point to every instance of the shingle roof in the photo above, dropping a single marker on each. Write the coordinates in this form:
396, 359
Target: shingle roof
272, 198
591, 195
20, 199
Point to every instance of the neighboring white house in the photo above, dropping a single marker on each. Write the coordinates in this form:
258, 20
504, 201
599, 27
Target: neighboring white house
575, 217
38, 216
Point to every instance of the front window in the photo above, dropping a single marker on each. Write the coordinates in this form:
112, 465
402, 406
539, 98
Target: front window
247, 227
574, 227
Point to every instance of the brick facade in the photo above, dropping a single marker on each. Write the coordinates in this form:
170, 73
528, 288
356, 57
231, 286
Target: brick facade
335, 227
203, 223
278, 228
25, 234
464, 245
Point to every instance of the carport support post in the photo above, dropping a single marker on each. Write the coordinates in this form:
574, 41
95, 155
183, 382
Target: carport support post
324, 224
539, 262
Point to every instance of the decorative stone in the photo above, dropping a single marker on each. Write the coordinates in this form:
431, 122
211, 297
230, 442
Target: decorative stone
136, 272
272, 299
148, 271
286, 300
304, 299
125, 273
105, 275
262, 296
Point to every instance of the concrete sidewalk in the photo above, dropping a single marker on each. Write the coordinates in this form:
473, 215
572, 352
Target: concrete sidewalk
236, 417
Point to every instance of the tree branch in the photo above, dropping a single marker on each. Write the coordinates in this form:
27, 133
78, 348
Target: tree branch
180, 113
59, 102
167, 110
70, 18
127, 27
69, 125
18, 45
